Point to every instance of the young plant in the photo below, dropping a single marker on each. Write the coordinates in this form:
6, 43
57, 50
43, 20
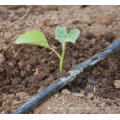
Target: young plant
38, 38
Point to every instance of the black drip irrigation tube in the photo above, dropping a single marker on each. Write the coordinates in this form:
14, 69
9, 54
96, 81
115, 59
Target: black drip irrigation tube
73, 73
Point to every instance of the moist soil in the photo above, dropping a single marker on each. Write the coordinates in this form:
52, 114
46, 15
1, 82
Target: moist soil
25, 70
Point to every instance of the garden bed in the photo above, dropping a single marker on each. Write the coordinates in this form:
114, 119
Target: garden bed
26, 70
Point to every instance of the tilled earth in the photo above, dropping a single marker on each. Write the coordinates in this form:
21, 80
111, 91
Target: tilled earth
25, 70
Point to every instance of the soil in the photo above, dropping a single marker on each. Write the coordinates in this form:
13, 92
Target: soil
25, 70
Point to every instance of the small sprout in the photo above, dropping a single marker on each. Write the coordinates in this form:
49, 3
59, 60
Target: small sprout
38, 38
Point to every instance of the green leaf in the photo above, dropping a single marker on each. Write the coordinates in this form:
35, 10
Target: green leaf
72, 36
62, 35
33, 37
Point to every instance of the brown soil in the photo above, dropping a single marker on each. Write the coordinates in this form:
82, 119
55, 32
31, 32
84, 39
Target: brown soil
25, 70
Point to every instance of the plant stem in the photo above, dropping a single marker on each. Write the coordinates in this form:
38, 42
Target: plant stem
55, 52
62, 57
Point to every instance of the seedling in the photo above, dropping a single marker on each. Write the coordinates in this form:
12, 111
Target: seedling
38, 38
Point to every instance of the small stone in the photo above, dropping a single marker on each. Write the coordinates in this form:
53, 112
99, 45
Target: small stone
61, 108
90, 96
44, 60
21, 64
22, 73
15, 102
2, 58
10, 64
48, 108
28, 67
80, 95
117, 84
66, 92
22, 95
36, 72
102, 105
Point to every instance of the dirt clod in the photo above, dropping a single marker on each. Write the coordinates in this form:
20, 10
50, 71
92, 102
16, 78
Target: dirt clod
117, 84
66, 92
2, 58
